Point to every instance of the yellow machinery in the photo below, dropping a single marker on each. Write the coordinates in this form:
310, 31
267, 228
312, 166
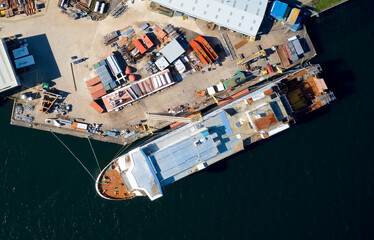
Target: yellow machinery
258, 54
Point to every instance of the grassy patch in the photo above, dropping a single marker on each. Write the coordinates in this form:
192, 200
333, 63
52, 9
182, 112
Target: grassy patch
323, 4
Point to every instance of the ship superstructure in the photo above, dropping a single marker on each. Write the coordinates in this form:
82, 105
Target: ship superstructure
221, 133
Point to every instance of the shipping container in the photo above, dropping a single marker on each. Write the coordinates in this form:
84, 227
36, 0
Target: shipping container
237, 79
79, 126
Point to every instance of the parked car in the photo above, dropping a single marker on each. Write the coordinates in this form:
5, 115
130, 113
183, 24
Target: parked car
80, 60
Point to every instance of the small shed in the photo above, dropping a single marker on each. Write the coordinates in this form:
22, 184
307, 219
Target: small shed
172, 51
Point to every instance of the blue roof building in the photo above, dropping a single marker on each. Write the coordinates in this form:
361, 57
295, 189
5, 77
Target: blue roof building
279, 10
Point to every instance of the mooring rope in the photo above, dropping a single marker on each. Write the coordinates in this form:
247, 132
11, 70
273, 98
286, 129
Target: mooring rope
121, 150
72, 154
93, 151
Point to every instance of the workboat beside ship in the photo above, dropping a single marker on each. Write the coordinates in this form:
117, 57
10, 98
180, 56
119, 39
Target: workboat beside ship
251, 117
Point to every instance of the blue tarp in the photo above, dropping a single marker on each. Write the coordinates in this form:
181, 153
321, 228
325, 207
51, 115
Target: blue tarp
226, 124
278, 10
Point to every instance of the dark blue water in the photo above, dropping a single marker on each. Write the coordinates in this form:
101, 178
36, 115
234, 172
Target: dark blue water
314, 181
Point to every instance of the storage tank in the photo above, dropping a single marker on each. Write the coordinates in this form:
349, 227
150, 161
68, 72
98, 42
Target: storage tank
102, 8
97, 4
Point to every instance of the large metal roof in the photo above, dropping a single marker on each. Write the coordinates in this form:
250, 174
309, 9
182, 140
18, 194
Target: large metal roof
244, 16
8, 77
104, 75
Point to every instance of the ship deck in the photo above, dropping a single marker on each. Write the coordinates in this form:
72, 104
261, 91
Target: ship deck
217, 136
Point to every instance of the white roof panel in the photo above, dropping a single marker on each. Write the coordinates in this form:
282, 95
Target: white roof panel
244, 16
8, 77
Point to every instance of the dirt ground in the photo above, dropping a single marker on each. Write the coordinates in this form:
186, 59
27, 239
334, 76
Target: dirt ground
64, 37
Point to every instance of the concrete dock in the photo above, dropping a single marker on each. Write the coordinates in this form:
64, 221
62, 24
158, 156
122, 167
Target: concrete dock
82, 38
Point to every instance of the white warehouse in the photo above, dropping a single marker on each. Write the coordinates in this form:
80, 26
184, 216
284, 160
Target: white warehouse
8, 76
243, 16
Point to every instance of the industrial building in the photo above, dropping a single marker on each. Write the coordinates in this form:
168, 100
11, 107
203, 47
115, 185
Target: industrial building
8, 76
242, 16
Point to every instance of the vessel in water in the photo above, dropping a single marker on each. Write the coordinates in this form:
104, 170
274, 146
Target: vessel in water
249, 118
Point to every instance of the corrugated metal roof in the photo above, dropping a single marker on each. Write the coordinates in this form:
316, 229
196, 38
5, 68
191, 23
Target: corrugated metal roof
93, 81
104, 75
172, 51
139, 46
8, 77
240, 15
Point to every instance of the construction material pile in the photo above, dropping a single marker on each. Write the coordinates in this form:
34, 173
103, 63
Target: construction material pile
28, 118
9, 8
19, 110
